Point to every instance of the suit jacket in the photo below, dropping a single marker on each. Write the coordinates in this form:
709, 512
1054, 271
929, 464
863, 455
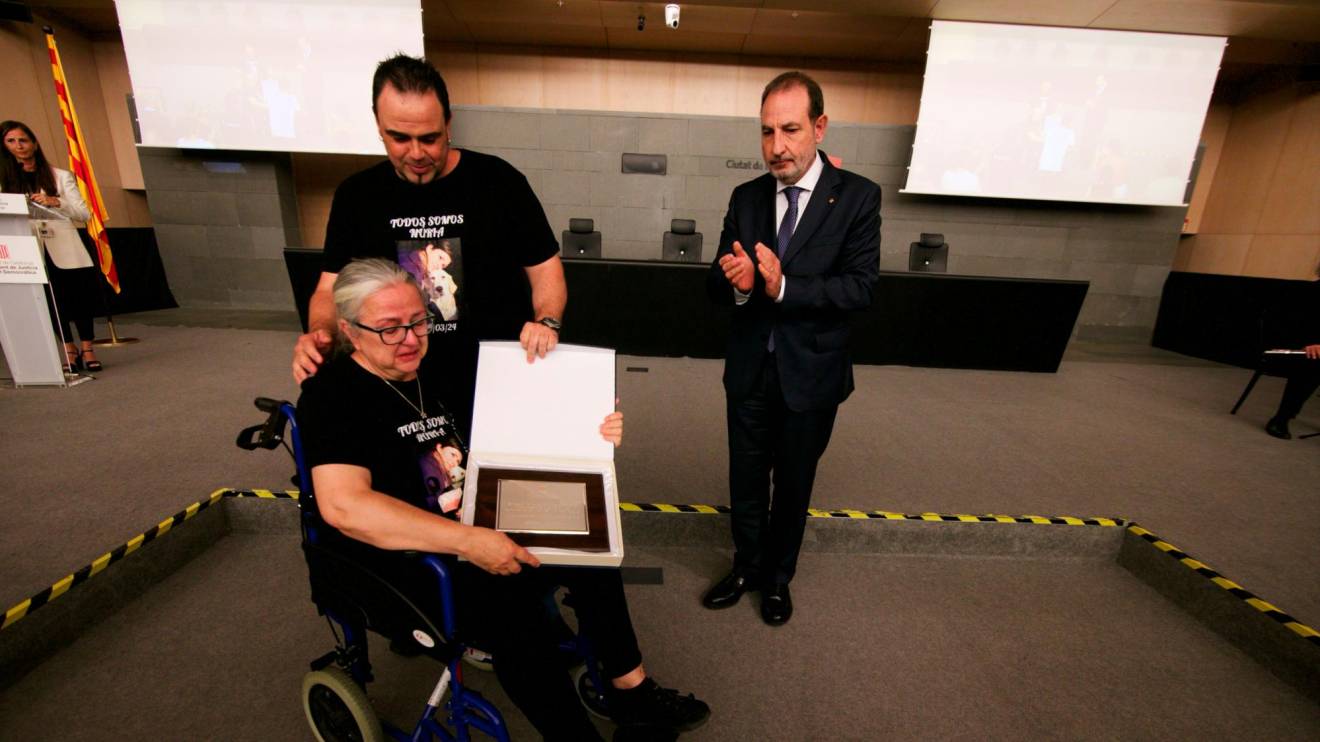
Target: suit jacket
60, 238
832, 265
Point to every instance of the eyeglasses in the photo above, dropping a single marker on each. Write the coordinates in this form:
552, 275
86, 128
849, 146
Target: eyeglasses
394, 334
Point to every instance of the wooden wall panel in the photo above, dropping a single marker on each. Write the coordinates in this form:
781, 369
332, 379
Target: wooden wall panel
845, 93
1246, 167
706, 87
23, 99
752, 77
512, 78
1217, 253
112, 68
893, 97
1262, 216
574, 81
1182, 257
642, 82
1213, 134
315, 177
1292, 201
458, 64
1283, 256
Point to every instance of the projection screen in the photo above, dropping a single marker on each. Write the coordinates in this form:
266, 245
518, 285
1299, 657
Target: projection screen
1061, 114
283, 75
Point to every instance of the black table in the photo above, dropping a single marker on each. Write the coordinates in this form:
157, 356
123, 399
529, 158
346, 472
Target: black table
651, 308
1231, 319
654, 308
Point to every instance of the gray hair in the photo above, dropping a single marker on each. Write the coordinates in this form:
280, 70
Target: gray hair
362, 278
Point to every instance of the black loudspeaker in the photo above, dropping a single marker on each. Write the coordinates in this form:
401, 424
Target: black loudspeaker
13, 10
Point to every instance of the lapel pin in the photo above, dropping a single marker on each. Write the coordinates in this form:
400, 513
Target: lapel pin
831, 199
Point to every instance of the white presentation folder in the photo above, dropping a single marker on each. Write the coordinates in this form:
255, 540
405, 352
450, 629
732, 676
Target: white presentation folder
545, 416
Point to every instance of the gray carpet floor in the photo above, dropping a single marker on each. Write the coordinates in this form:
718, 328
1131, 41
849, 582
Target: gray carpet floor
909, 648
951, 648
1142, 435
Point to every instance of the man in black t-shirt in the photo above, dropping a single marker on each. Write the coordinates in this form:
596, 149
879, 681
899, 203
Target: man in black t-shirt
466, 225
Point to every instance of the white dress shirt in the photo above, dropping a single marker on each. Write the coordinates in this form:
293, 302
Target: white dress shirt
808, 184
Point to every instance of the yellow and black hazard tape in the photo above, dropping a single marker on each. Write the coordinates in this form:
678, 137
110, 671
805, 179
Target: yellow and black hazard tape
1062, 520
98, 565
263, 494
1234, 589
653, 507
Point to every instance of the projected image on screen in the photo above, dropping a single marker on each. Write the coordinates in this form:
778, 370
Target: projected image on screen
1061, 114
284, 75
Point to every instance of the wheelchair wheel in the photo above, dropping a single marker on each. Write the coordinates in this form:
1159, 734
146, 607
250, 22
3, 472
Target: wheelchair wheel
588, 693
338, 709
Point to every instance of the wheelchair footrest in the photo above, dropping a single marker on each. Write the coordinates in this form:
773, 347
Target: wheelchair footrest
325, 660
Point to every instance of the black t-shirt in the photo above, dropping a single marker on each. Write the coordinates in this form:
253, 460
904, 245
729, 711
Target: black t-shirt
348, 415
466, 238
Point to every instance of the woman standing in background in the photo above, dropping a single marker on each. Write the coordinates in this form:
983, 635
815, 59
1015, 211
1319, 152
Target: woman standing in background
24, 169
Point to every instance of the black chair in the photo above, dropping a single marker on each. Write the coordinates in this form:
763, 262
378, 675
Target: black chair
1277, 333
581, 240
929, 255
1270, 364
682, 243
1273, 330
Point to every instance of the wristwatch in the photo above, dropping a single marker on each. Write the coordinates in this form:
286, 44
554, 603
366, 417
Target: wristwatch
551, 322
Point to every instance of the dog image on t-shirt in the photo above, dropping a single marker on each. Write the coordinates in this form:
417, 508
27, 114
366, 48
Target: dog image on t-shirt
437, 267
442, 470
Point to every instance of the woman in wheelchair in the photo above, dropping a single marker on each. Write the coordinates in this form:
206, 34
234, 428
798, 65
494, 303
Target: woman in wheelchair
371, 430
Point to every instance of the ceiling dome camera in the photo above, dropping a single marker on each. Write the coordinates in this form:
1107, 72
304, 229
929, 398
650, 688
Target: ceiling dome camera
671, 15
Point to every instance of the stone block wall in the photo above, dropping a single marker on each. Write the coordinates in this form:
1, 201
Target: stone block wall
223, 218
573, 161
222, 221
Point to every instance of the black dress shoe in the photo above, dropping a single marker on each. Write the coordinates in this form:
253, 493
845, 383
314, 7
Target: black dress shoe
1278, 427
726, 592
776, 605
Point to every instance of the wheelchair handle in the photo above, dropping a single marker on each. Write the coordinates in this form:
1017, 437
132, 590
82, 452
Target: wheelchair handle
268, 435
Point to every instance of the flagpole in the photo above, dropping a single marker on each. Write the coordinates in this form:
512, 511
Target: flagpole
81, 166
114, 338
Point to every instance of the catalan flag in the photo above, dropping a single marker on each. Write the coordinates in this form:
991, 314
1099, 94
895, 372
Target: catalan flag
81, 167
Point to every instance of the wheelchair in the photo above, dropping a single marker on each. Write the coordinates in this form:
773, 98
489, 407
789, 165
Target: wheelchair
356, 599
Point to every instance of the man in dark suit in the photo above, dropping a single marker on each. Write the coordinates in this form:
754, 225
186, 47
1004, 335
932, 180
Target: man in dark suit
800, 249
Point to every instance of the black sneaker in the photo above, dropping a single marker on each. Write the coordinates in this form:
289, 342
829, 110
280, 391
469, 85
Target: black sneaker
649, 705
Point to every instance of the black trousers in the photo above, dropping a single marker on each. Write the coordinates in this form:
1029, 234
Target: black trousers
1301, 386
508, 616
76, 297
767, 439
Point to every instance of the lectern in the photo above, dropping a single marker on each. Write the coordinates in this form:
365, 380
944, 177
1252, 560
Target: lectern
25, 331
